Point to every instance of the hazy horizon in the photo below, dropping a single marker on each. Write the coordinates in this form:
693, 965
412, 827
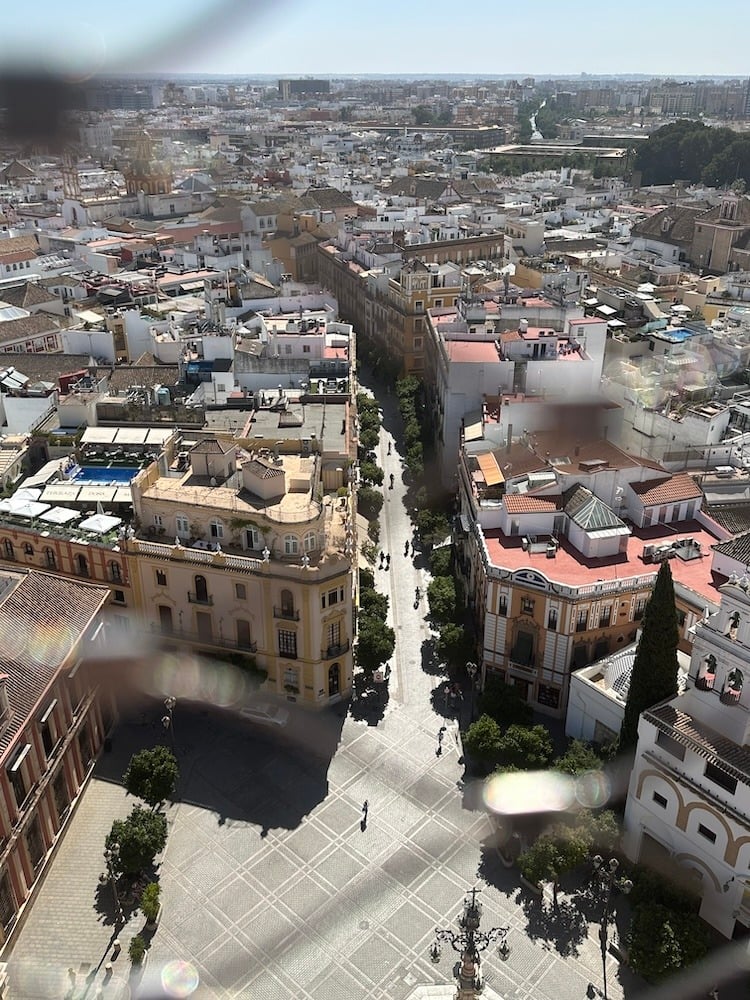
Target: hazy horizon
255, 38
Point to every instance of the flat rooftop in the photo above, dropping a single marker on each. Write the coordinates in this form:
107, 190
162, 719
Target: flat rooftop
572, 569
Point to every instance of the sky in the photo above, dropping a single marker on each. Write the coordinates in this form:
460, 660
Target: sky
325, 37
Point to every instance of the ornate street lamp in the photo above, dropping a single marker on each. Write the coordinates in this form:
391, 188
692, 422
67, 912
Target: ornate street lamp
605, 875
470, 941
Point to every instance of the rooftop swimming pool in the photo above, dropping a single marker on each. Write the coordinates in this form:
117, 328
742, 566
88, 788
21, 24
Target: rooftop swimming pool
97, 475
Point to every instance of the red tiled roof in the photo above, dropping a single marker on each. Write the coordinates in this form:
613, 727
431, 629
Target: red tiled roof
471, 351
41, 621
671, 490
522, 503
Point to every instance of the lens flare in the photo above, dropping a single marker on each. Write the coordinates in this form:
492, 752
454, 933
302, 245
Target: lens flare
592, 789
529, 792
179, 978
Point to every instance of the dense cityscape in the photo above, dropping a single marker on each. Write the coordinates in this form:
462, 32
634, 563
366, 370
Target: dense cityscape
375, 537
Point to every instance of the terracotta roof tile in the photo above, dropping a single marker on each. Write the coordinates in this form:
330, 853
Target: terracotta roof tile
723, 752
522, 503
41, 621
670, 490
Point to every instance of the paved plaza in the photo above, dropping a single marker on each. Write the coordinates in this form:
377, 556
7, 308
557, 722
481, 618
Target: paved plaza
273, 888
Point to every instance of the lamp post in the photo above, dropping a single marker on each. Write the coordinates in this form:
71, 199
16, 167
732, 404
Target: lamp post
605, 875
168, 720
471, 670
112, 857
470, 941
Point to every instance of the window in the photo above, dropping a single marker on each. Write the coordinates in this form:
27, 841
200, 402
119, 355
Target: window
527, 606
46, 728
605, 616
7, 902
417, 343
709, 834
34, 843
288, 348
216, 529
681, 617
8, 549
659, 800
240, 591
244, 639
310, 542
334, 635
182, 525
118, 597
82, 565
17, 778
291, 679
640, 607
288, 643
721, 778
502, 605
201, 590
28, 549
582, 620
115, 572
49, 558
419, 305
161, 578
305, 348
552, 620
671, 745
291, 545
252, 538
333, 597
158, 523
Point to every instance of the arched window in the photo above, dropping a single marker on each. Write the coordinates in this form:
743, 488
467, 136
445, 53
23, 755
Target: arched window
730, 693
291, 545
310, 542
287, 602
706, 674
115, 573
82, 565
8, 549
201, 590
49, 556
28, 549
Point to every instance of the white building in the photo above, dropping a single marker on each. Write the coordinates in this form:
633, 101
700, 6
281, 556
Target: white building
688, 803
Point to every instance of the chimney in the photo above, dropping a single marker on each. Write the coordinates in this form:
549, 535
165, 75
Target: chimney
509, 439
577, 450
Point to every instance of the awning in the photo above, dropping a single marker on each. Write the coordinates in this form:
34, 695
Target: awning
490, 469
132, 435
122, 495
100, 524
99, 435
60, 515
606, 310
96, 494
61, 493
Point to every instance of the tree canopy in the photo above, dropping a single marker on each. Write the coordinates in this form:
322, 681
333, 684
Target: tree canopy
503, 703
662, 940
140, 837
696, 153
152, 775
655, 669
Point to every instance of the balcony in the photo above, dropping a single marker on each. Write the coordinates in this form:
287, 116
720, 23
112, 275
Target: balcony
288, 614
204, 599
195, 638
331, 652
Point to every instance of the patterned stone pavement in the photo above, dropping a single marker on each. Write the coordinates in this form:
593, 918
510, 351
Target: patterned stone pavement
273, 888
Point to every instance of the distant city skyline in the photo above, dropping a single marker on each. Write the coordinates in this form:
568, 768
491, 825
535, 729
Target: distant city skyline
297, 37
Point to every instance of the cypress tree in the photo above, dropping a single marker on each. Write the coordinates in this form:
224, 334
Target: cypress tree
655, 668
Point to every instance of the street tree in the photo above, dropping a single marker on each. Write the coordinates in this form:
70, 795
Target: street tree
662, 940
371, 473
482, 740
454, 645
140, 837
577, 759
152, 775
655, 669
369, 502
549, 858
529, 749
441, 596
376, 643
504, 703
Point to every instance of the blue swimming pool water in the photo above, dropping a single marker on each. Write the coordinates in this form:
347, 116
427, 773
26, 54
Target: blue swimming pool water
99, 476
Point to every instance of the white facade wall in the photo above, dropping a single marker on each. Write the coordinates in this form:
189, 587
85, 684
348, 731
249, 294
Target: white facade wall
589, 705
96, 343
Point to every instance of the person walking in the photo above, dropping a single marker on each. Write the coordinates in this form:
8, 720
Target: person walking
406, 549
388, 562
389, 447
